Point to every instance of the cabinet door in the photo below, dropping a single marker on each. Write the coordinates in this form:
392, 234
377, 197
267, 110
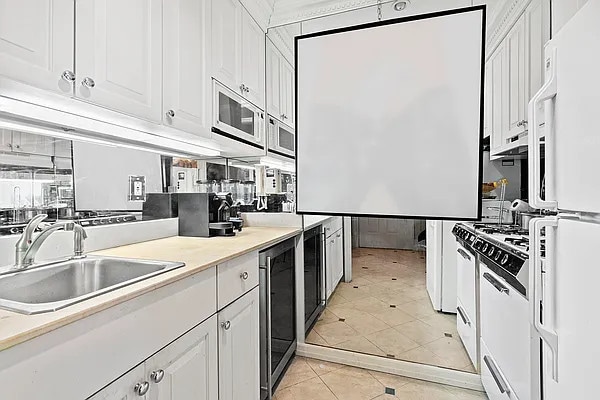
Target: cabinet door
36, 42
329, 264
517, 103
186, 77
5, 140
187, 368
537, 27
499, 97
226, 55
287, 93
124, 387
118, 55
488, 100
32, 144
274, 61
253, 60
239, 344
339, 257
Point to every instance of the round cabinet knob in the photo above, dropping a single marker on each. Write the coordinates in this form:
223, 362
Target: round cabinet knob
157, 376
226, 325
171, 114
68, 76
88, 82
244, 275
141, 388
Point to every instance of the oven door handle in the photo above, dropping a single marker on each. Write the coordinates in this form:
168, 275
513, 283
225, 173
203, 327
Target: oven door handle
498, 378
496, 283
463, 254
463, 316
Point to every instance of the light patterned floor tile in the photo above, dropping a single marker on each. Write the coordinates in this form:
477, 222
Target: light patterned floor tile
353, 384
298, 371
313, 389
322, 367
389, 290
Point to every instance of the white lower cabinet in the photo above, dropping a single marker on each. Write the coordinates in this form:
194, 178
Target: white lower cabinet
239, 343
184, 370
187, 368
334, 260
493, 379
123, 388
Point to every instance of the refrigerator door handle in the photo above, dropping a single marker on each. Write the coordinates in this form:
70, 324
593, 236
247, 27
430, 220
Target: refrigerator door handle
549, 336
547, 91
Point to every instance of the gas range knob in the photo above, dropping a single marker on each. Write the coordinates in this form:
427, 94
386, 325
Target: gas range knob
95, 222
491, 252
118, 219
497, 256
504, 259
485, 247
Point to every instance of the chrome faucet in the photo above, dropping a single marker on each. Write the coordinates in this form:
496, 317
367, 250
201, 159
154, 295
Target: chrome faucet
26, 248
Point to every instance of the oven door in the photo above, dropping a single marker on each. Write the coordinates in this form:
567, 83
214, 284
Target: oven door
236, 118
282, 140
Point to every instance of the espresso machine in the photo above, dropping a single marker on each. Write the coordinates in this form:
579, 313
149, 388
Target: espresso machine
208, 214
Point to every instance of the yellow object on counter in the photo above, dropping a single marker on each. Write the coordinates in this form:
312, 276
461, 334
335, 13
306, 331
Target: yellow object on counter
489, 186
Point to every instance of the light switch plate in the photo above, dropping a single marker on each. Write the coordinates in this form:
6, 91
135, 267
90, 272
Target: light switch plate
137, 188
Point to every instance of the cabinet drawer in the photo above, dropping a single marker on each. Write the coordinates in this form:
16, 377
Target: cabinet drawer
494, 382
236, 277
332, 226
467, 330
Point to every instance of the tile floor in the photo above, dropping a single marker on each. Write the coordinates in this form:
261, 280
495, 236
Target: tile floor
309, 379
386, 311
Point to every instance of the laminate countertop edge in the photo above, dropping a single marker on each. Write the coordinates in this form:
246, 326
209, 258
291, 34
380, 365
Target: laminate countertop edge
16, 328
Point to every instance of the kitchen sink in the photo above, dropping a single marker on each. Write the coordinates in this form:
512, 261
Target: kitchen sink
50, 287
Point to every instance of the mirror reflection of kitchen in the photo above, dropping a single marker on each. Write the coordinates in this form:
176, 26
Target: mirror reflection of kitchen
389, 307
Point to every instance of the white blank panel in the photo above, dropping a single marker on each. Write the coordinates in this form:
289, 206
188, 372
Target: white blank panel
101, 176
389, 118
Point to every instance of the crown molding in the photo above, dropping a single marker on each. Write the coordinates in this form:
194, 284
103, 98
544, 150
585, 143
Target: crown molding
260, 10
506, 15
291, 11
283, 40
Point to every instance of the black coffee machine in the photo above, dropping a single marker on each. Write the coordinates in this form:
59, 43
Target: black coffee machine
208, 214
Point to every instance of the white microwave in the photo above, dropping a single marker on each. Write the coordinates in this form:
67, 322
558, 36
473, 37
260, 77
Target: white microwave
236, 118
282, 139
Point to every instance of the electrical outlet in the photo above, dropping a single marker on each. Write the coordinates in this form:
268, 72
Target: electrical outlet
137, 188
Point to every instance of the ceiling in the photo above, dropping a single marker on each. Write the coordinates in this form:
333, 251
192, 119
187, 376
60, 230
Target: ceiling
289, 11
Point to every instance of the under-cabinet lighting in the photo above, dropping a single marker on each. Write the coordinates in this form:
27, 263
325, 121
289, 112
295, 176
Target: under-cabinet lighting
275, 163
70, 134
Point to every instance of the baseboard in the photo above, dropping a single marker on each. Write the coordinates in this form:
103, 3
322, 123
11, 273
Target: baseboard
424, 372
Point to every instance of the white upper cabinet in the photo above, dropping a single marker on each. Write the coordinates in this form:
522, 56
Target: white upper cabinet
118, 55
274, 61
499, 96
238, 51
488, 101
537, 28
253, 60
287, 93
36, 43
186, 55
280, 86
187, 368
517, 110
226, 32
239, 344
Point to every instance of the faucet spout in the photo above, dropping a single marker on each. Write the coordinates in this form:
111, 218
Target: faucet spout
25, 258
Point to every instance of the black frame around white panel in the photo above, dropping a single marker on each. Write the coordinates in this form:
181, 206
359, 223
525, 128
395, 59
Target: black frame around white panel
479, 8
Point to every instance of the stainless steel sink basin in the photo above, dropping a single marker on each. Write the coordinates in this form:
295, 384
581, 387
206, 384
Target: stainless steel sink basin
50, 287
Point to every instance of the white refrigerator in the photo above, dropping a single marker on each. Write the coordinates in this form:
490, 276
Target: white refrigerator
565, 276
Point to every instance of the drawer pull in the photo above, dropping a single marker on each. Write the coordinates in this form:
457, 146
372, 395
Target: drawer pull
244, 276
495, 283
141, 388
463, 316
463, 254
502, 386
226, 325
157, 376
